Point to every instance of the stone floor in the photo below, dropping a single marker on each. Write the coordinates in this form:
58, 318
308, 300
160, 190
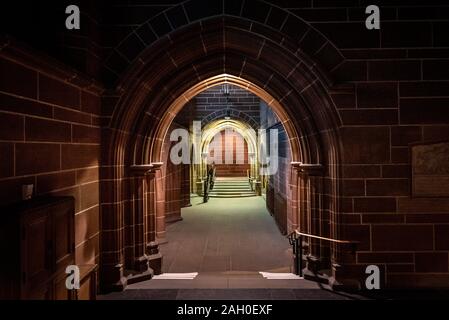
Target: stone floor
228, 294
227, 242
224, 235
226, 280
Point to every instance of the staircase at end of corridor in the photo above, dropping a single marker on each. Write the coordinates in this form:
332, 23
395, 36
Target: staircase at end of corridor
231, 187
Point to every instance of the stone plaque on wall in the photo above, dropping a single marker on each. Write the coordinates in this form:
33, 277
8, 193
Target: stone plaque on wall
430, 169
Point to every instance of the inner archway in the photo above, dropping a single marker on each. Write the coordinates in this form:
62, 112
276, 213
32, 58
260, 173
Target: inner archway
231, 146
157, 152
230, 231
153, 149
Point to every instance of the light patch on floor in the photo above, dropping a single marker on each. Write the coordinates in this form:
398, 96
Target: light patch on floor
176, 276
280, 276
229, 280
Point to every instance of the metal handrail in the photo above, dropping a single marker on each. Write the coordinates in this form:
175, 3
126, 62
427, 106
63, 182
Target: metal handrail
295, 239
208, 185
307, 235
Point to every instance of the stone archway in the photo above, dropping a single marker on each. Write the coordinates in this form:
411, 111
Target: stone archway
156, 87
240, 115
244, 131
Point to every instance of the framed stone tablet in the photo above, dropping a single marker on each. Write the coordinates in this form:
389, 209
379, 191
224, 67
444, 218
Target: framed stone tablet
430, 169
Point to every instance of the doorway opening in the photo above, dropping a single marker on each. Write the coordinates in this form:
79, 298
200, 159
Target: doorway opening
234, 228
163, 200
226, 209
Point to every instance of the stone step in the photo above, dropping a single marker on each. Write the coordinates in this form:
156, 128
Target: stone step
231, 192
231, 187
243, 186
246, 183
241, 195
232, 183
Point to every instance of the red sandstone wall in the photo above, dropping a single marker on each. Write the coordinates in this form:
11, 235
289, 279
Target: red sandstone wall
175, 182
390, 87
50, 137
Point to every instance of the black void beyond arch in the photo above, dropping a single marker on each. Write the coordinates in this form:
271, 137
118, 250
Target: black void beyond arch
267, 61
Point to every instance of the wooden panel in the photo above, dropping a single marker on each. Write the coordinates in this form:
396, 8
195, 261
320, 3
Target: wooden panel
84, 293
36, 238
88, 285
60, 290
44, 292
10, 243
35, 249
64, 236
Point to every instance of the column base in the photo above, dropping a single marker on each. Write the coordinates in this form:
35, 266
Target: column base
154, 257
343, 282
146, 275
316, 277
312, 272
140, 272
119, 285
155, 262
112, 278
199, 188
346, 285
141, 264
313, 263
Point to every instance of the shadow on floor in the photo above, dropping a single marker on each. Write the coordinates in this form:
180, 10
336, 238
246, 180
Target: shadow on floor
226, 294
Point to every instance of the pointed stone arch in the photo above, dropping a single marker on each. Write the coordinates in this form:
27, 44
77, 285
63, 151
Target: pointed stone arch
237, 114
259, 16
167, 75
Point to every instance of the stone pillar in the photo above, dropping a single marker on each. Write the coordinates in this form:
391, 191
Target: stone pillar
185, 186
112, 267
138, 208
154, 209
294, 202
147, 259
310, 189
160, 205
315, 186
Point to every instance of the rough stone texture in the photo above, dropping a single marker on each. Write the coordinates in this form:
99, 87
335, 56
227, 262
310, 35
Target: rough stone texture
58, 155
383, 90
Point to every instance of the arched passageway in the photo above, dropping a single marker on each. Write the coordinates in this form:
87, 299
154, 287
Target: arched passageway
230, 231
231, 145
156, 88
